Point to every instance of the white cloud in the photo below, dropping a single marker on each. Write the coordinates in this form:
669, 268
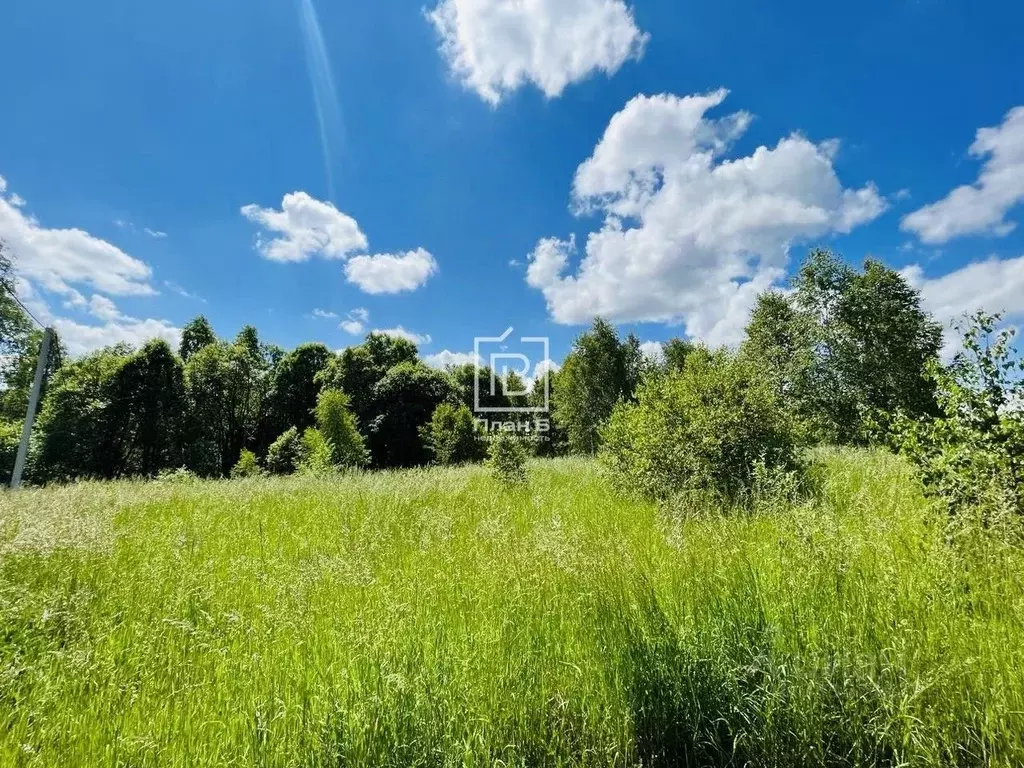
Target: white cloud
994, 285
308, 227
57, 259
980, 208
391, 273
401, 333
447, 359
80, 339
305, 227
653, 351
323, 314
355, 321
103, 308
687, 235
156, 234
497, 46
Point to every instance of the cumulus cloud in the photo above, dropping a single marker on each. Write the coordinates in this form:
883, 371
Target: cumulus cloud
323, 314
57, 259
446, 359
303, 228
981, 207
306, 227
355, 322
391, 273
401, 333
995, 285
689, 236
494, 46
54, 261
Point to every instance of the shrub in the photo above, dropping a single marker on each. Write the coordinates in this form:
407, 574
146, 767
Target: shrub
972, 454
284, 453
246, 466
709, 429
317, 454
507, 458
337, 424
453, 436
10, 437
181, 475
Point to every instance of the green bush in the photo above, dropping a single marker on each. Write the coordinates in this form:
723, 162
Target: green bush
453, 436
972, 455
506, 456
10, 437
337, 424
316, 456
284, 453
246, 466
710, 429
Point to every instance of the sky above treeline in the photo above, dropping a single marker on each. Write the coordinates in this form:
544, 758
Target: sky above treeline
447, 170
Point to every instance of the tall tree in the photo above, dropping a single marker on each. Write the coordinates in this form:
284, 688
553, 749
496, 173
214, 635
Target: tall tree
405, 399
147, 398
598, 373
196, 334
848, 349
295, 387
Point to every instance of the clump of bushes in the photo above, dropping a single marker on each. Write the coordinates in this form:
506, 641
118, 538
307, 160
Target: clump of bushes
972, 454
452, 436
506, 457
284, 454
714, 428
337, 424
317, 453
247, 465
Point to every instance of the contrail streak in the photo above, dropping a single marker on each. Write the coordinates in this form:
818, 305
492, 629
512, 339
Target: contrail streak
328, 110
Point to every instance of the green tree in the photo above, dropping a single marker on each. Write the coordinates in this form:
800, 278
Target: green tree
847, 348
296, 385
147, 404
676, 351
598, 373
196, 334
971, 454
452, 437
338, 425
226, 388
79, 430
405, 399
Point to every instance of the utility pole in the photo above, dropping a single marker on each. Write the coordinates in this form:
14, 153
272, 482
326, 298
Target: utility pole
33, 402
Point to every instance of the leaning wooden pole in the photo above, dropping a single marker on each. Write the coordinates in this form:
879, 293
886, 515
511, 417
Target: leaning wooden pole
33, 402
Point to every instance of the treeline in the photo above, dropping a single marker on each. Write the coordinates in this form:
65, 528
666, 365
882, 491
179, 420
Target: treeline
844, 356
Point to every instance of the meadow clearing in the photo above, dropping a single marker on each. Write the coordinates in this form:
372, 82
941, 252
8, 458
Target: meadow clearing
435, 617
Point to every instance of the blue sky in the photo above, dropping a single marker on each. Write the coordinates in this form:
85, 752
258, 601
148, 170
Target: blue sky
439, 161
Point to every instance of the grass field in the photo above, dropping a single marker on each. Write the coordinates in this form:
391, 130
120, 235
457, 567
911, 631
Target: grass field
435, 618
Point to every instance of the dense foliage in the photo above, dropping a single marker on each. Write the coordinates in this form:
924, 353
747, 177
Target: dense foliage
846, 356
971, 453
704, 428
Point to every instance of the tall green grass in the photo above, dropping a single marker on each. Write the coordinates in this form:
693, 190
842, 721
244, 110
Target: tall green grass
437, 617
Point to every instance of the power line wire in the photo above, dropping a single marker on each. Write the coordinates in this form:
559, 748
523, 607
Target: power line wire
14, 296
